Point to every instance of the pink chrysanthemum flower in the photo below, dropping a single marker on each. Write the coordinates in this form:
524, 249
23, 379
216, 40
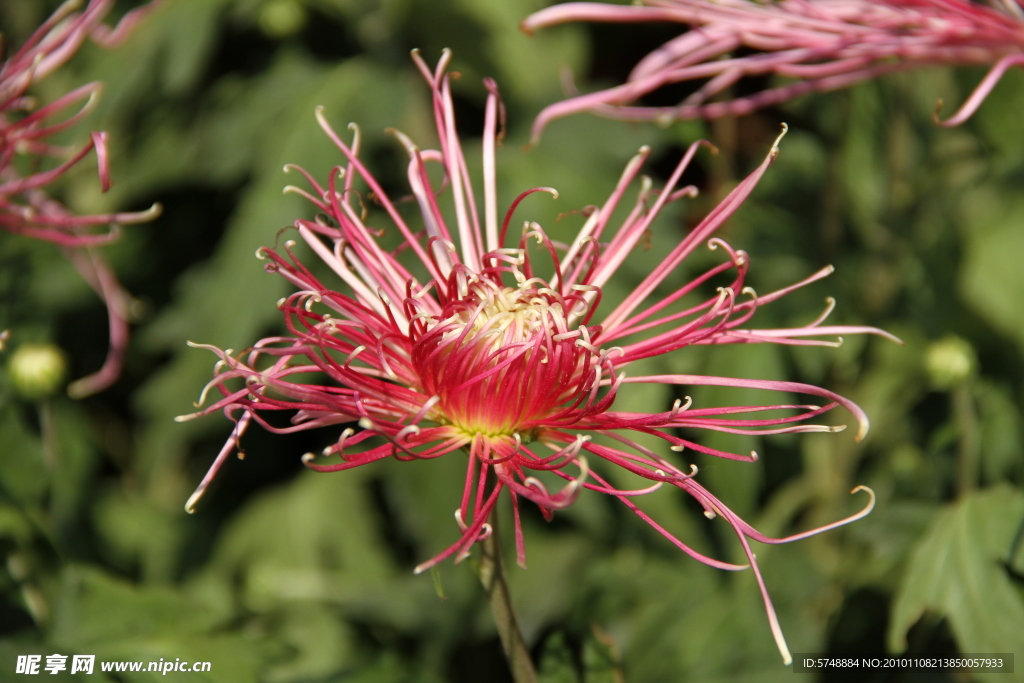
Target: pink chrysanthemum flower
25, 208
527, 372
815, 45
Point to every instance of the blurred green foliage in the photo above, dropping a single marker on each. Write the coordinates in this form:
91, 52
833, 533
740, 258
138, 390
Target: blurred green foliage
286, 576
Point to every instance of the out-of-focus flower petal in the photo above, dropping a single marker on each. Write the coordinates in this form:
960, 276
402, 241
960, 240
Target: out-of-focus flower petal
25, 208
806, 45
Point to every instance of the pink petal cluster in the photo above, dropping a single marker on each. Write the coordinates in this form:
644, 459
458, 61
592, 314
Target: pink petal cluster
811, 45
25, 130
517, 369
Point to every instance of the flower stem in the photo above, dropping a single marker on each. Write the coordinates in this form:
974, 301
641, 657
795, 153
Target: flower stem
969, 455
48, 427
492, 576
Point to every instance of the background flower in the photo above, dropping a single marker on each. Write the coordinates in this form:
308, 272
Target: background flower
291, 575
786, 49
26, 145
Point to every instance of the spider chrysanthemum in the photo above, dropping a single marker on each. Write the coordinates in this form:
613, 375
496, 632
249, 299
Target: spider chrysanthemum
789, 48
525, 371
30, 161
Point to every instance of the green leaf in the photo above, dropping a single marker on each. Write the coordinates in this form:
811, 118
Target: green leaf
77, 461
602, 662
23, 475
956, 570
991, 278
98, 614
556, 662
134, 529
321, 640
1002, 447
95, 608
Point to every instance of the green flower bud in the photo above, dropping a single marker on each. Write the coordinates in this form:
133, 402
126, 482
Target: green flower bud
37, 370
949, 362
281, 18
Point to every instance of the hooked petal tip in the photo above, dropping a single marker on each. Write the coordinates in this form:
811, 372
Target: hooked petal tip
190, 504
862, 431
871, 493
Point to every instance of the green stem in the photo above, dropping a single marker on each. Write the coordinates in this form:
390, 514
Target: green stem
48, 428
492, 576
969, 455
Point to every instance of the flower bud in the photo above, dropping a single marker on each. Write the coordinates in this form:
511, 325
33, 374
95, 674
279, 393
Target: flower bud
949, 362
281, 18
37, 370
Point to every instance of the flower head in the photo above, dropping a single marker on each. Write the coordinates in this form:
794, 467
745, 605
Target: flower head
25, 208
524, 370
816, 46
